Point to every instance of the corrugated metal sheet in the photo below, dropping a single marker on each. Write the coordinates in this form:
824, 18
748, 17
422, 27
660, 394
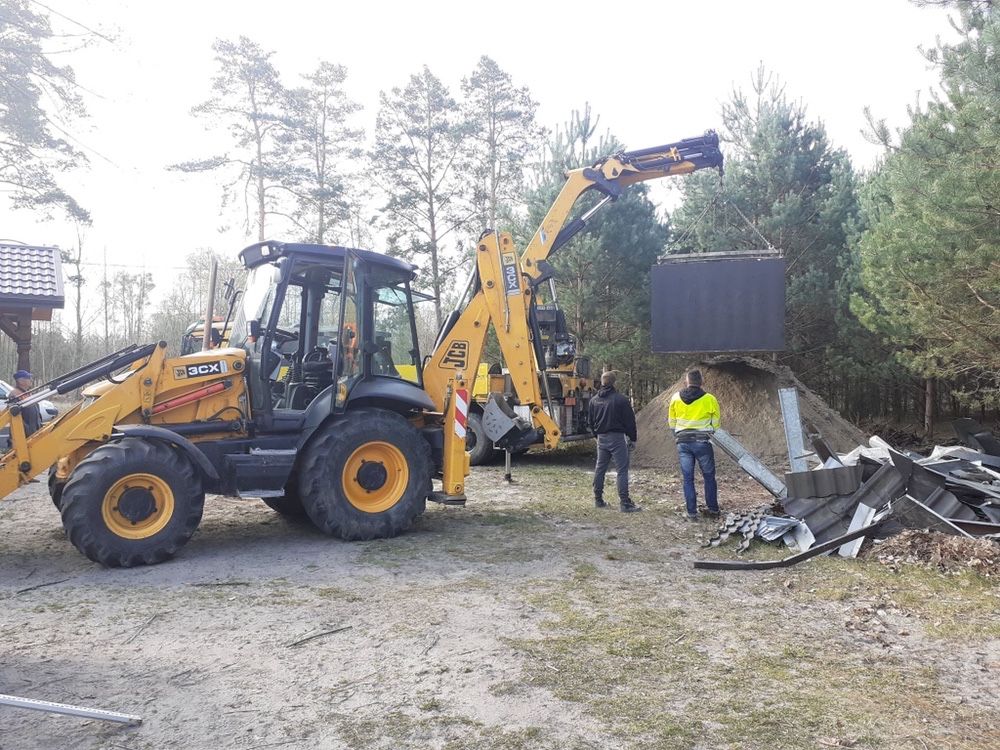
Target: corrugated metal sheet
829, 518
730, 304
841, 480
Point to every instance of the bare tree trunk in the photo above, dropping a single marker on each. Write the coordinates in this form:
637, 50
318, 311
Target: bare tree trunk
78, 282
107, 301
929, 401
435, 272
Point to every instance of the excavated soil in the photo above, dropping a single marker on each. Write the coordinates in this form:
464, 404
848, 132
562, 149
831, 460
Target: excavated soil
747, 390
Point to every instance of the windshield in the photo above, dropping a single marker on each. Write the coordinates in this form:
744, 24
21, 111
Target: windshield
397, 354
257, 296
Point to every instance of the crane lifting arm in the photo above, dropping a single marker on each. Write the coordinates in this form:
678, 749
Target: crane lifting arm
501, 291
610, 176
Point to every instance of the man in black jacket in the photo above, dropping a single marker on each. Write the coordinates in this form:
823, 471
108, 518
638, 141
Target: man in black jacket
31, 416
613, 423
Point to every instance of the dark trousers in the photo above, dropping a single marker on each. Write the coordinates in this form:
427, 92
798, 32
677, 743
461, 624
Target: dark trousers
702, 453
611, 445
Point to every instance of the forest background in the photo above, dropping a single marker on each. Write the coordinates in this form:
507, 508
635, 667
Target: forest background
893, 272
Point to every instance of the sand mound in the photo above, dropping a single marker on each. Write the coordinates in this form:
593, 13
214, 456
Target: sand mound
747, 390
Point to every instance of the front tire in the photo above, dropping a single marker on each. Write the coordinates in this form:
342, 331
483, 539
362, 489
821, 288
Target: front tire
480, 447
365, 475
135, 502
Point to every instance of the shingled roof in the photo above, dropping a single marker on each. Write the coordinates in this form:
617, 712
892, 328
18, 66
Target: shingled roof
30, 276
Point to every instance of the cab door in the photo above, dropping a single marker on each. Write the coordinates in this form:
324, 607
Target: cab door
348, 360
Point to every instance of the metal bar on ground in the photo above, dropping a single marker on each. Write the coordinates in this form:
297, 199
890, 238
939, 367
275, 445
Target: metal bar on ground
863, 516
749, 463
68, 710
792, 422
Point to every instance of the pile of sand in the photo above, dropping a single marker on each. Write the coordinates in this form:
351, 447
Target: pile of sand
747, 390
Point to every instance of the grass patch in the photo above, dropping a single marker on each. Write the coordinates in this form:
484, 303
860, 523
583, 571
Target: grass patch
951, 607
656, 676
450, 732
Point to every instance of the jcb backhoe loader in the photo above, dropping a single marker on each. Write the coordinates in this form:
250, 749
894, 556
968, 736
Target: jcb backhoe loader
309, 410
537, 348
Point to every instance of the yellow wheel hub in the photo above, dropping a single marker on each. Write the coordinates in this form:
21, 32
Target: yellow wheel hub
138, 506
375, 477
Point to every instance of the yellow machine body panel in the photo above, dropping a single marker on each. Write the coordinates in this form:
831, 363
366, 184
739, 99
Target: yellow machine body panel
155, 391
483, 384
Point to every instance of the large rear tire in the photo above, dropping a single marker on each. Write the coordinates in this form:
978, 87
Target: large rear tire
480, 447
365, 475
135, 502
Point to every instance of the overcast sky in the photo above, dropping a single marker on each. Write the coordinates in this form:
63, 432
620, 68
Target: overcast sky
654, 71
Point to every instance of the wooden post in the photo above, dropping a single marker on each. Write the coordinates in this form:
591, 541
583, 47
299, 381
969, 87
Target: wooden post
18, 327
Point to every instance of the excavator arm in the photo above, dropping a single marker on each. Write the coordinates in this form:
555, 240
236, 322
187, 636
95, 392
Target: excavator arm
501, 292
610, 176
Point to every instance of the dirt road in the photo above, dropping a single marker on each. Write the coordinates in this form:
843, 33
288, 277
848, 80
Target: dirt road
528, 619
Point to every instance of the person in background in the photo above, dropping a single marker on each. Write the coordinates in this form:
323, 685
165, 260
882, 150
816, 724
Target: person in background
693, 417
30, 415
612, 422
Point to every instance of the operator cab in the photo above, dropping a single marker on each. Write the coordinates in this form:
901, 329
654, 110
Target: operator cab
323, 326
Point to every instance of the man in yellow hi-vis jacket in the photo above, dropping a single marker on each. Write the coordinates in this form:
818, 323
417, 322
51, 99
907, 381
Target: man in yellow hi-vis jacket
694, 416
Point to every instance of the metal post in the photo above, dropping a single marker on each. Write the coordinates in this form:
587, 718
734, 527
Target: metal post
206, 342
506, 464
749, 463
68, 710
789, 400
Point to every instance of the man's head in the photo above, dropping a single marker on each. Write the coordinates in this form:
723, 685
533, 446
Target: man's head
22, 379
609, 378
694, 378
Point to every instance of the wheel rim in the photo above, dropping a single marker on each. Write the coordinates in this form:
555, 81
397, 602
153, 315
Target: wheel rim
375, 477
138, 506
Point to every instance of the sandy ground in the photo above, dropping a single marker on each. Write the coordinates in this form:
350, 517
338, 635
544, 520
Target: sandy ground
528, 619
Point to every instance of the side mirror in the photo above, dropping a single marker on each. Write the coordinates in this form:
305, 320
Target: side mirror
254, 328
228, 289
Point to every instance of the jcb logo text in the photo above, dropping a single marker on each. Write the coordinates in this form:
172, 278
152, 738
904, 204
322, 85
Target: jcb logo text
457, 355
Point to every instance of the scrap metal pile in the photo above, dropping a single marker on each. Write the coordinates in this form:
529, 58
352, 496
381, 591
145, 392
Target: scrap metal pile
873, 491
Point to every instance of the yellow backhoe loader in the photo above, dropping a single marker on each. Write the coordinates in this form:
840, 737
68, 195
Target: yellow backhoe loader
322, 406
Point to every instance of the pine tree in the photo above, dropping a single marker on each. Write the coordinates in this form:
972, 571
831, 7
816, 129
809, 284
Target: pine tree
250, 102
787, 186
418, 135
34, 143
318, 145
602, 275
929, 257
501, 132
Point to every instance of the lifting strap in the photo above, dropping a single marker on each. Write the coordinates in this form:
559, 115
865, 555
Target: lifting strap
718, 200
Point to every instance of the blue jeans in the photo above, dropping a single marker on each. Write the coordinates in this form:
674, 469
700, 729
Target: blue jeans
702, 453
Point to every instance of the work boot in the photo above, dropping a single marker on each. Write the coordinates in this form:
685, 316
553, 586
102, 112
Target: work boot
711, 513
599, 502
693, 517
627, 506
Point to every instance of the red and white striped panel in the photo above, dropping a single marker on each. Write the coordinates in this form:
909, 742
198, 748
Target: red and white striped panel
461, 411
